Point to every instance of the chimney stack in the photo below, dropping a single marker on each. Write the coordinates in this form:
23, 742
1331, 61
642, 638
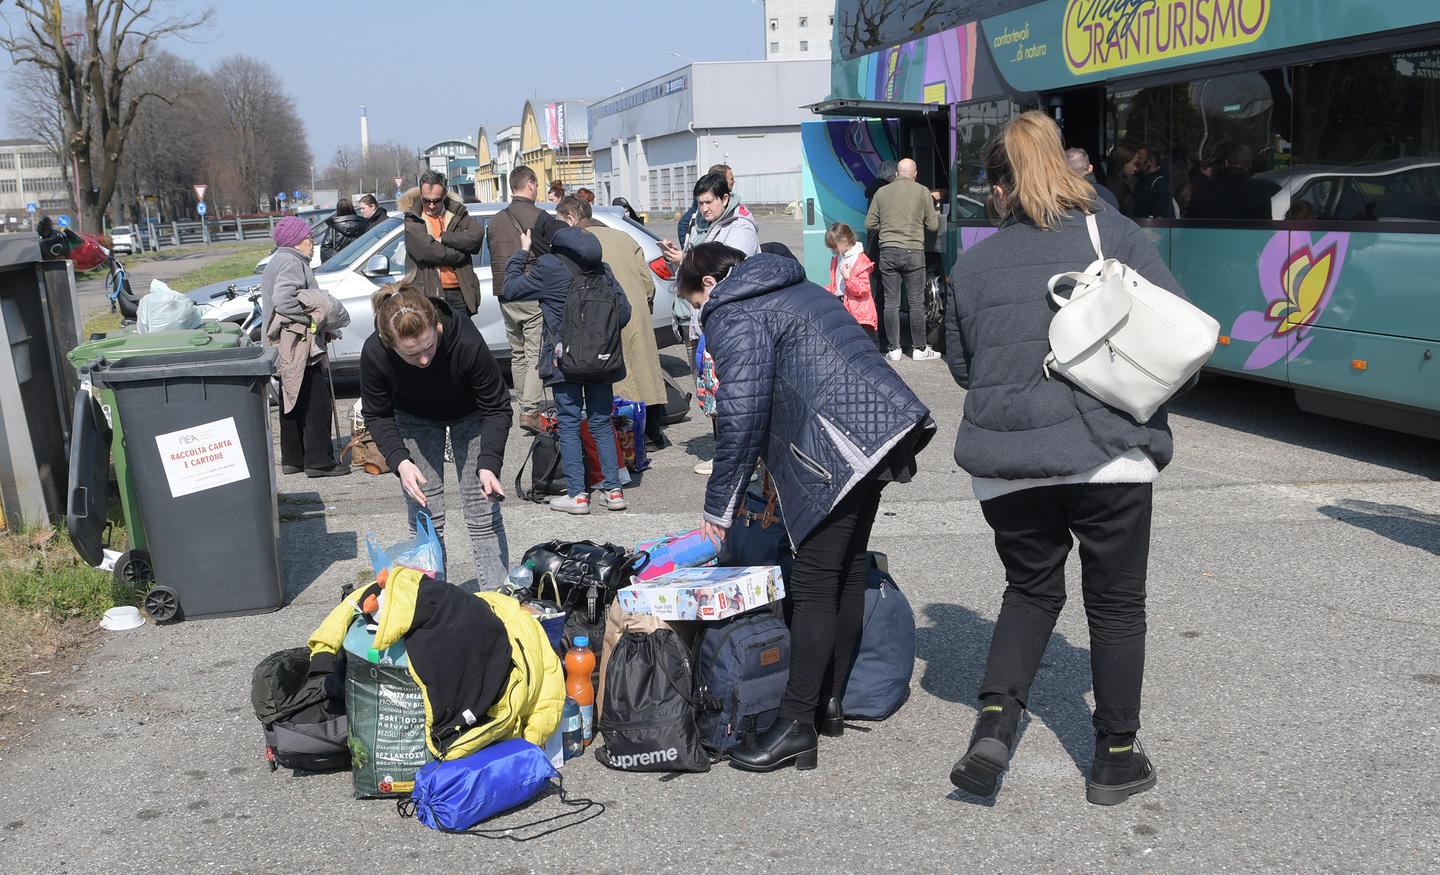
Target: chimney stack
364, 135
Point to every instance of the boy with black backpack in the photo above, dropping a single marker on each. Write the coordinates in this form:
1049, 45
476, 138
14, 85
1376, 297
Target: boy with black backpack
581, 358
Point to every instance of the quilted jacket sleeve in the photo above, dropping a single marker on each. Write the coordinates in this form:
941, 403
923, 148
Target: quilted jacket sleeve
745, 366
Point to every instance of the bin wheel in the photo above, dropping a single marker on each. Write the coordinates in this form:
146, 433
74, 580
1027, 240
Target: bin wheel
162, 604
133, 570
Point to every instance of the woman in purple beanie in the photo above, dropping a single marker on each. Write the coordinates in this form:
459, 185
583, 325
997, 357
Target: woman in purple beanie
305, 440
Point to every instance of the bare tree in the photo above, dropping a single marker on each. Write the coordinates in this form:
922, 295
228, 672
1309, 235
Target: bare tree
343, 172
90, 68
264, 138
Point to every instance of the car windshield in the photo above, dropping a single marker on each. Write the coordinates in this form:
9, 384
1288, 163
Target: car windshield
120, 229
351, 254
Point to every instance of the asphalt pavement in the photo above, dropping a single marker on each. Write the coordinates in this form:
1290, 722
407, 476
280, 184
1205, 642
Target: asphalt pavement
1292, 703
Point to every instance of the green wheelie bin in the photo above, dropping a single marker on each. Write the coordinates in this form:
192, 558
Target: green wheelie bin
134, 568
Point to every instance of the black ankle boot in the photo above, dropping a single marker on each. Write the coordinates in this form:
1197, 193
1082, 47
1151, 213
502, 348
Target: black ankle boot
831, 719
1120, 770
990, 744
787, 742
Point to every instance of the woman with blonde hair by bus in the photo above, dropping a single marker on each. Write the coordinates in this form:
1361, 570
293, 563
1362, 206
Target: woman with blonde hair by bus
1048, 461
424, 370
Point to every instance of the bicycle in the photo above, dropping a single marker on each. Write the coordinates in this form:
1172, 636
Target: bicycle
250, 325
118, 291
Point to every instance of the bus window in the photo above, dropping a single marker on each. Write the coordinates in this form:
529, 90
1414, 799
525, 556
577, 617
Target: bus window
975, 125
1234, 131
1141, 168
1366, 128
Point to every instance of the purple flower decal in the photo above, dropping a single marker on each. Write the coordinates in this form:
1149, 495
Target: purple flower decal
1297, 278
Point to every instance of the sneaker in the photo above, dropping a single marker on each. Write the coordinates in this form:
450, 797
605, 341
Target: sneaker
706, 467
1120, 770
925, 355
989, 754
576, 504
332, 471
894, 355
291, 469
615, 500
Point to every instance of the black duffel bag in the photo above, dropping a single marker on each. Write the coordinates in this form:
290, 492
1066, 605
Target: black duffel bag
582, 576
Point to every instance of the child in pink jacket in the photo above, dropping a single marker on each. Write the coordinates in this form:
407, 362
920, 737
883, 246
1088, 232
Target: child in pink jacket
850, 272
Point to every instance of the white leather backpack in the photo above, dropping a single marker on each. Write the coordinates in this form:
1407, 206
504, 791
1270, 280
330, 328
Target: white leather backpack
1125, 340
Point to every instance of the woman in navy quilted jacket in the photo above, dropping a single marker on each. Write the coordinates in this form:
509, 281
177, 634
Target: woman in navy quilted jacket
804, 389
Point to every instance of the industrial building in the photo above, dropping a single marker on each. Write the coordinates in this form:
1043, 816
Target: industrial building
652, 142
798, 29
30, 174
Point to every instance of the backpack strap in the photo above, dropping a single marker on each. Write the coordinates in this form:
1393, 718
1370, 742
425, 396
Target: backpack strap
1094, 228
574, 268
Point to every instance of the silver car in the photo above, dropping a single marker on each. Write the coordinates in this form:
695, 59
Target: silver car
377, 257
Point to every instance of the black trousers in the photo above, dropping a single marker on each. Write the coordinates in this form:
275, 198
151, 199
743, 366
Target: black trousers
1033, 536
305, 440
827, 596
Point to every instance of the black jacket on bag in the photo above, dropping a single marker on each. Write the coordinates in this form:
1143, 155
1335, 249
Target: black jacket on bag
462, 379
341, 231
505, 228
802, 386
1018, 423
462, 238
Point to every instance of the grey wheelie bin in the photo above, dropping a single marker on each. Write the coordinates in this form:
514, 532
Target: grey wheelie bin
197, 436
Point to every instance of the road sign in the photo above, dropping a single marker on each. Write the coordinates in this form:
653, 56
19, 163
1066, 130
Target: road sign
280, 197
62, 220
297, 195
399, 182
200, 192
30, 207
200, 208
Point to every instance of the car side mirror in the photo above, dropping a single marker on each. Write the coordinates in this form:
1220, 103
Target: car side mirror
378, 265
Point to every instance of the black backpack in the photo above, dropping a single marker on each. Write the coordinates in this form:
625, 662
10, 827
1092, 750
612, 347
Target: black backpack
741, 667
648, 716
590, 329
301, 704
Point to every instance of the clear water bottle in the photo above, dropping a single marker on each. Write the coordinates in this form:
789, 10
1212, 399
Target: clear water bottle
573, 725
521, 577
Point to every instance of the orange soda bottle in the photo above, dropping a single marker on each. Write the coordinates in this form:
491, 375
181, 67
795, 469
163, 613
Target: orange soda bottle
579, 665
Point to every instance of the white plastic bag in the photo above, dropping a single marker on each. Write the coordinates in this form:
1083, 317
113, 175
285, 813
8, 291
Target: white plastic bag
165, 309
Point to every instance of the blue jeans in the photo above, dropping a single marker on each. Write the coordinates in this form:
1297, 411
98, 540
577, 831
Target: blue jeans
597, 401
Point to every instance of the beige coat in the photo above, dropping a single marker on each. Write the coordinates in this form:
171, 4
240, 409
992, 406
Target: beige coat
643, 381
301, 346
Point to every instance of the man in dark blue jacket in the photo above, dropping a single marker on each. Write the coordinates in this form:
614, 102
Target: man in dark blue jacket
549, 278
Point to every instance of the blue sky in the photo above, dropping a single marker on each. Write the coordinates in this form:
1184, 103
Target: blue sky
449, 66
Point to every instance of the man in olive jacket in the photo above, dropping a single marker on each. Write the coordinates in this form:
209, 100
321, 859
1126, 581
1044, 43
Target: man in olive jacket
441, 239
902, 212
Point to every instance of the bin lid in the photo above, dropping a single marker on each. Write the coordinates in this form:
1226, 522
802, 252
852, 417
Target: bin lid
86, 503
114, 347
245, 361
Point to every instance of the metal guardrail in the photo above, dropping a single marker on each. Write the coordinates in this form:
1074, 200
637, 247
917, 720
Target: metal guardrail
156, 235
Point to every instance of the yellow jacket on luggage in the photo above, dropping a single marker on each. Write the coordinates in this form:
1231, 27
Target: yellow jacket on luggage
463, 649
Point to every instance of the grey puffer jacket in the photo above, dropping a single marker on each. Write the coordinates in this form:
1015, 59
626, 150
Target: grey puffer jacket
285, 275
1019, 424
802, 386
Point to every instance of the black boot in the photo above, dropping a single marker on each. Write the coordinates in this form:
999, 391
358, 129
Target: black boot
1120, 770
831, 719
990, 744
788, 741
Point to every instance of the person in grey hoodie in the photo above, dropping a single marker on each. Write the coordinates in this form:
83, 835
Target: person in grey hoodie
305, 438
1048, 461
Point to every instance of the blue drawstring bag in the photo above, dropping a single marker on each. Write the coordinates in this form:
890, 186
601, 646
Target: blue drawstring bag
454, 795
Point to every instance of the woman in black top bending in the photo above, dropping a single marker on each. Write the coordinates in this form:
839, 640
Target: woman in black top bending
426, 369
